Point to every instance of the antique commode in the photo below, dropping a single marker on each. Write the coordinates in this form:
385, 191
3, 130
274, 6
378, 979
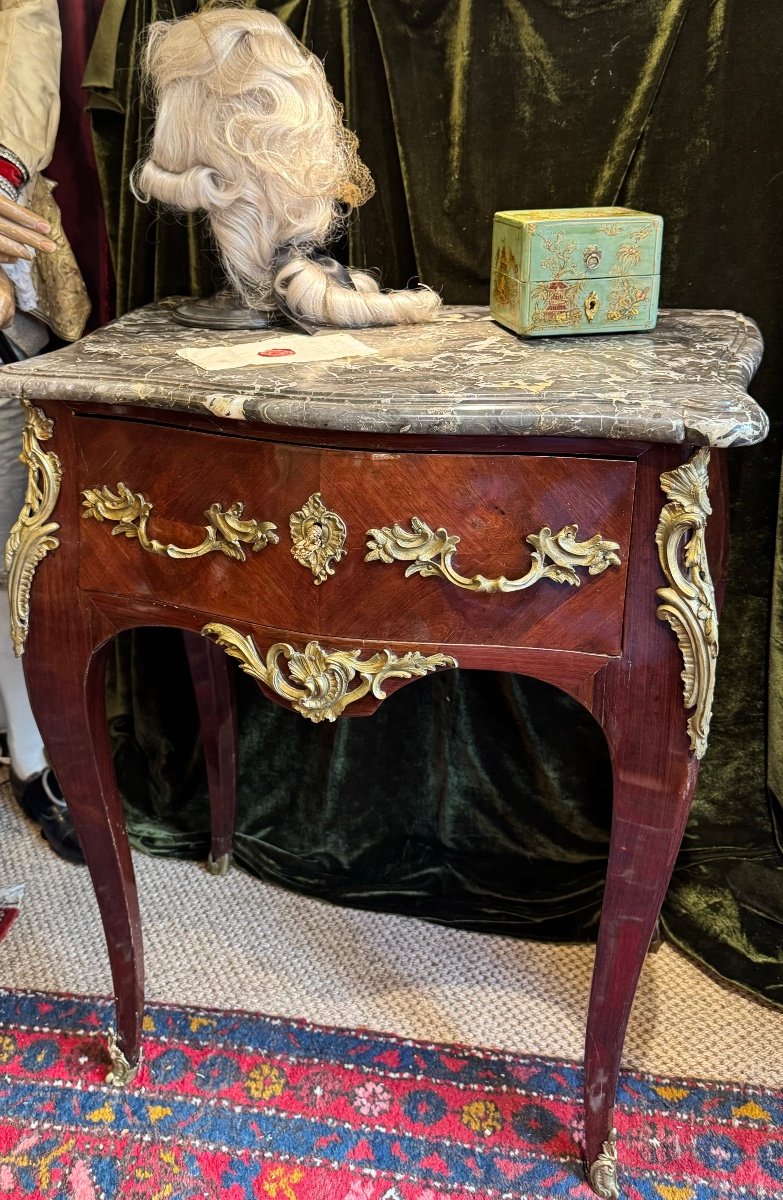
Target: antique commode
460, 497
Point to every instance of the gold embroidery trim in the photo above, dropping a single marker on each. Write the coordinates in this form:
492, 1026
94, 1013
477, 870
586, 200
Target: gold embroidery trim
32, 536
225, 532
555, 556
317, 683
688, 604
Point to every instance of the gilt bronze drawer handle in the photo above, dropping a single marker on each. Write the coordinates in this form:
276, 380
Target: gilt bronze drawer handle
225, 532
555, 556
318, 683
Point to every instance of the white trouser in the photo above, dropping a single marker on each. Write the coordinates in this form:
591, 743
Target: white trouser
24, 741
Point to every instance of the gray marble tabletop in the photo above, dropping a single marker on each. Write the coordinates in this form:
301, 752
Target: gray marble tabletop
684, 381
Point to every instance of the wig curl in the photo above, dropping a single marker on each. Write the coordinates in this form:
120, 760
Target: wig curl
248, 129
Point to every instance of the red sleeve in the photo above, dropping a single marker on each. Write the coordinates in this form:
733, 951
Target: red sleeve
12, 177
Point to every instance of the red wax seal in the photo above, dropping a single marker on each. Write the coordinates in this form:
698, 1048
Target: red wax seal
280, 353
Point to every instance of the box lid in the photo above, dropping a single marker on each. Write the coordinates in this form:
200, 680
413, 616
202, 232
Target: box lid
527, 216
538, 245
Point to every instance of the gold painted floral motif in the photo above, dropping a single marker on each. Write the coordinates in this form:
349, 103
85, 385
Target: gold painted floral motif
560, 260
32, 536
555, 556
505, 282
628, 256
318, 536
626, 298
556, 299
318, 683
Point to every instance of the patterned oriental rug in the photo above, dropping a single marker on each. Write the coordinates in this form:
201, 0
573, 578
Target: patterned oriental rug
246, 1107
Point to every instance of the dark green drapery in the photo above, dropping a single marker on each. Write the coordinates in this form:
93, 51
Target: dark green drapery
461, 800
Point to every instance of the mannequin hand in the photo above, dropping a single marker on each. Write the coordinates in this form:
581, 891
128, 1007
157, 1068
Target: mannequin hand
7, 301
21, 232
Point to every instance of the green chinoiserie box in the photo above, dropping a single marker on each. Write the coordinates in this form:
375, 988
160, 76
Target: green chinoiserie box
575, 270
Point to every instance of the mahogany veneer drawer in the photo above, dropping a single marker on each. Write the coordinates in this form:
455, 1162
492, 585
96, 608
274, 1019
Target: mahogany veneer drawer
491, 503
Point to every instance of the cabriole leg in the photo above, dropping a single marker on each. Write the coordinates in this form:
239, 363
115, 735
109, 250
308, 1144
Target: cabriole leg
213, 682
76, 736
657, 732
647, 828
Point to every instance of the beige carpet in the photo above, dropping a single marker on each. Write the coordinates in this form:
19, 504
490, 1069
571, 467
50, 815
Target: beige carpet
238, 943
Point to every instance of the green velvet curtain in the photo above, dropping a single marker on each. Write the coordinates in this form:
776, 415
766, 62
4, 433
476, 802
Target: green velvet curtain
461, 800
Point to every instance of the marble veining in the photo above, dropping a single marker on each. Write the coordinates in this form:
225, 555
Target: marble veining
684, 381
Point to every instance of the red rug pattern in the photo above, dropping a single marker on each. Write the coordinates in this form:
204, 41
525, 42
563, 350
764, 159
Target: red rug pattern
247, 1107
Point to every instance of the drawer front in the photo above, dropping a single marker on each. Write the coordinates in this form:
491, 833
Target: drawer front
493, 505
182, 474
417, 547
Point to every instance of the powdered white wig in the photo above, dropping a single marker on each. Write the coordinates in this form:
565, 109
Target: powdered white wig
248, 129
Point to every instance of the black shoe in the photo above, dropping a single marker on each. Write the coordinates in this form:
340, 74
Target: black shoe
42, 800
